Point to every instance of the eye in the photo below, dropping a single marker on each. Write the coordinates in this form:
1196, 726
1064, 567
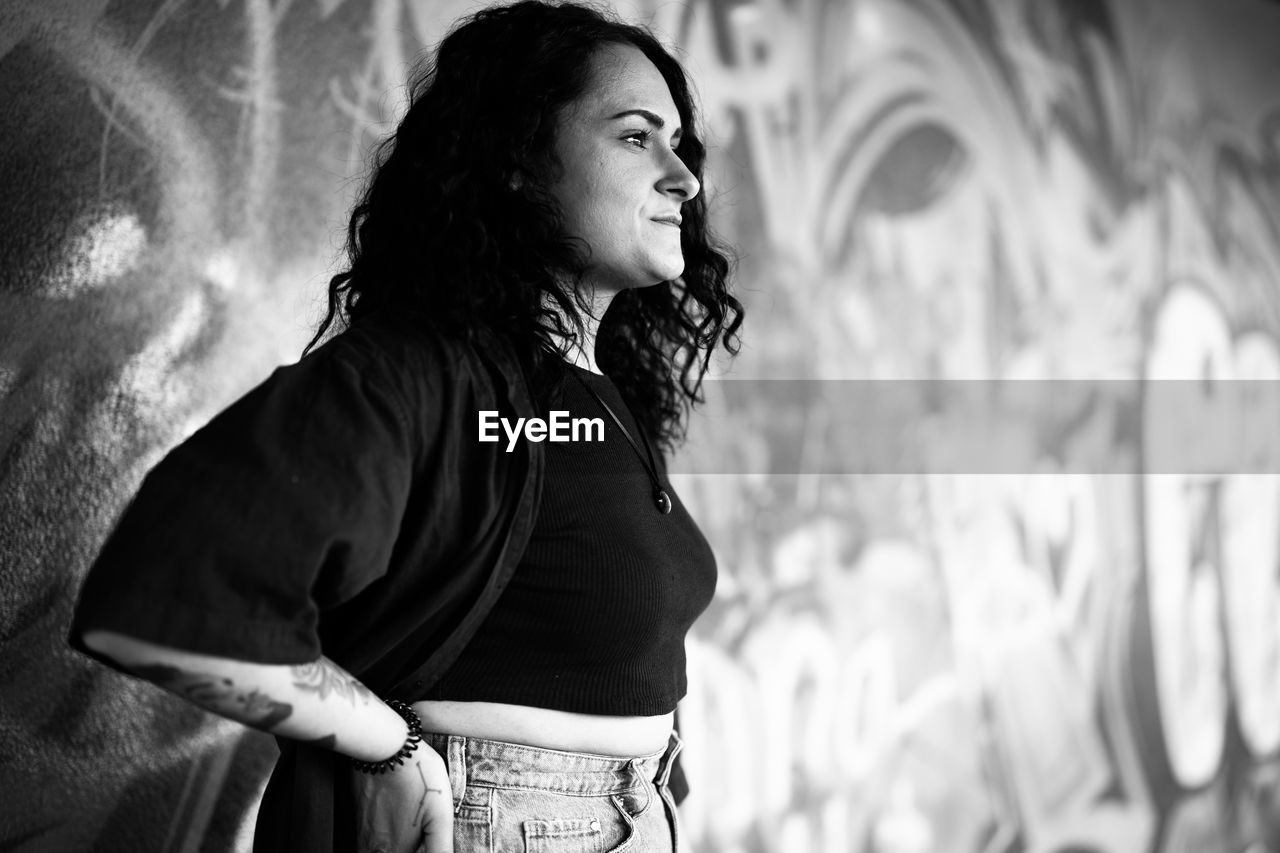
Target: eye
639, 138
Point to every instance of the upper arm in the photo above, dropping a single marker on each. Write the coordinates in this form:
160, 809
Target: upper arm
287, 502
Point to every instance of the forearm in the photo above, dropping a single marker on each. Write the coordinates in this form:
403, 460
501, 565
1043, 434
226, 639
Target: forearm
317, 702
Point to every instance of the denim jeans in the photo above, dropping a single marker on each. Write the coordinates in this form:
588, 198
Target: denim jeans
510, 798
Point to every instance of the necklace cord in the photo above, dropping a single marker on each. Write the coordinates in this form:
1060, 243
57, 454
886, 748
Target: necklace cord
650, 467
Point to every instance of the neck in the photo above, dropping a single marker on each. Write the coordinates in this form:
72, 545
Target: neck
582, 352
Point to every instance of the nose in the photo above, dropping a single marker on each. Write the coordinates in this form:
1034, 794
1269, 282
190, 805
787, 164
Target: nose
678, 180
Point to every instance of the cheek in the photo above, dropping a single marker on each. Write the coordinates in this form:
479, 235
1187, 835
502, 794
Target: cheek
603, 206
597, 223
589, 203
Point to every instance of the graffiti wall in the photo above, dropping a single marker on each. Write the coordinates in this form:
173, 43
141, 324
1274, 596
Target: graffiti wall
1053, 656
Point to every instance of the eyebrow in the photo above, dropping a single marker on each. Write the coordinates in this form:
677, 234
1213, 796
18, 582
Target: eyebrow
651, 117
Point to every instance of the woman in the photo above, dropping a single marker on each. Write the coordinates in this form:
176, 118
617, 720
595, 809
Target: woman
532, 241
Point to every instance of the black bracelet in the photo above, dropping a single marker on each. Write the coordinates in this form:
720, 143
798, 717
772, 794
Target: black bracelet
410, 743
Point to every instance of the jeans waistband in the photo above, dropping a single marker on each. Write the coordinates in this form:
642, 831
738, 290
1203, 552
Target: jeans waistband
498, 764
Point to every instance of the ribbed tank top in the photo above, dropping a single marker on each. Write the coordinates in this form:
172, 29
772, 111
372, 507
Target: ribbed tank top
595, 617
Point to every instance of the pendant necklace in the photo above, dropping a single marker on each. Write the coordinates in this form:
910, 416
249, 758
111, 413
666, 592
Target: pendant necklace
660, 497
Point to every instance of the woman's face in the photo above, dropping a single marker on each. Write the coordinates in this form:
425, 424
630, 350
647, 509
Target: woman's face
622, 184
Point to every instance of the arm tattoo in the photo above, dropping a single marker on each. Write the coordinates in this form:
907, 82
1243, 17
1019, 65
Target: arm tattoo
218, 694
324, 678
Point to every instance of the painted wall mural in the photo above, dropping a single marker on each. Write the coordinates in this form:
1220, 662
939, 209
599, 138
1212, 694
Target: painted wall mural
1055, 659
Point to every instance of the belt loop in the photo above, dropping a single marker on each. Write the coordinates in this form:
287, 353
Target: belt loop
632, 772
668, 759
457, 761
638, 781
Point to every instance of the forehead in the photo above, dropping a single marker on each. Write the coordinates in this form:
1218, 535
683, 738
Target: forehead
623, 78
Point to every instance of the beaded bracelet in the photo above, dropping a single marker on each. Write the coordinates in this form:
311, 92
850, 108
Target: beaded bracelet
410, 743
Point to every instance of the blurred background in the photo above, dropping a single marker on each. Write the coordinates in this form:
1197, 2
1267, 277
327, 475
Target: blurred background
1057, 658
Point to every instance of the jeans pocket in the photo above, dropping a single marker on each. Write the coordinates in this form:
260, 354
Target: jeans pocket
602, 825
624, 805
635, 802
564, 835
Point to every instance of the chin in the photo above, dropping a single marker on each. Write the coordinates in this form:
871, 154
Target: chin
656, 271
669, 272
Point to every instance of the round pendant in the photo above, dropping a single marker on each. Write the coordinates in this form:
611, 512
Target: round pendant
663, 500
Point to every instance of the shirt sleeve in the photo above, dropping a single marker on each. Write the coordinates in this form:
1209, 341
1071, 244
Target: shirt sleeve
286, 503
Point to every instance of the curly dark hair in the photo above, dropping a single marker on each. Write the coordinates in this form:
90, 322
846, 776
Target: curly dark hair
441, 236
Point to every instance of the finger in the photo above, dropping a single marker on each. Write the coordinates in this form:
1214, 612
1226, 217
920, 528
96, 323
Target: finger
374, 842
437, 835
386, 844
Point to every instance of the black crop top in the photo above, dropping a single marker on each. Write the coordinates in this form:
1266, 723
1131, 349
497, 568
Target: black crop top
595, 617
